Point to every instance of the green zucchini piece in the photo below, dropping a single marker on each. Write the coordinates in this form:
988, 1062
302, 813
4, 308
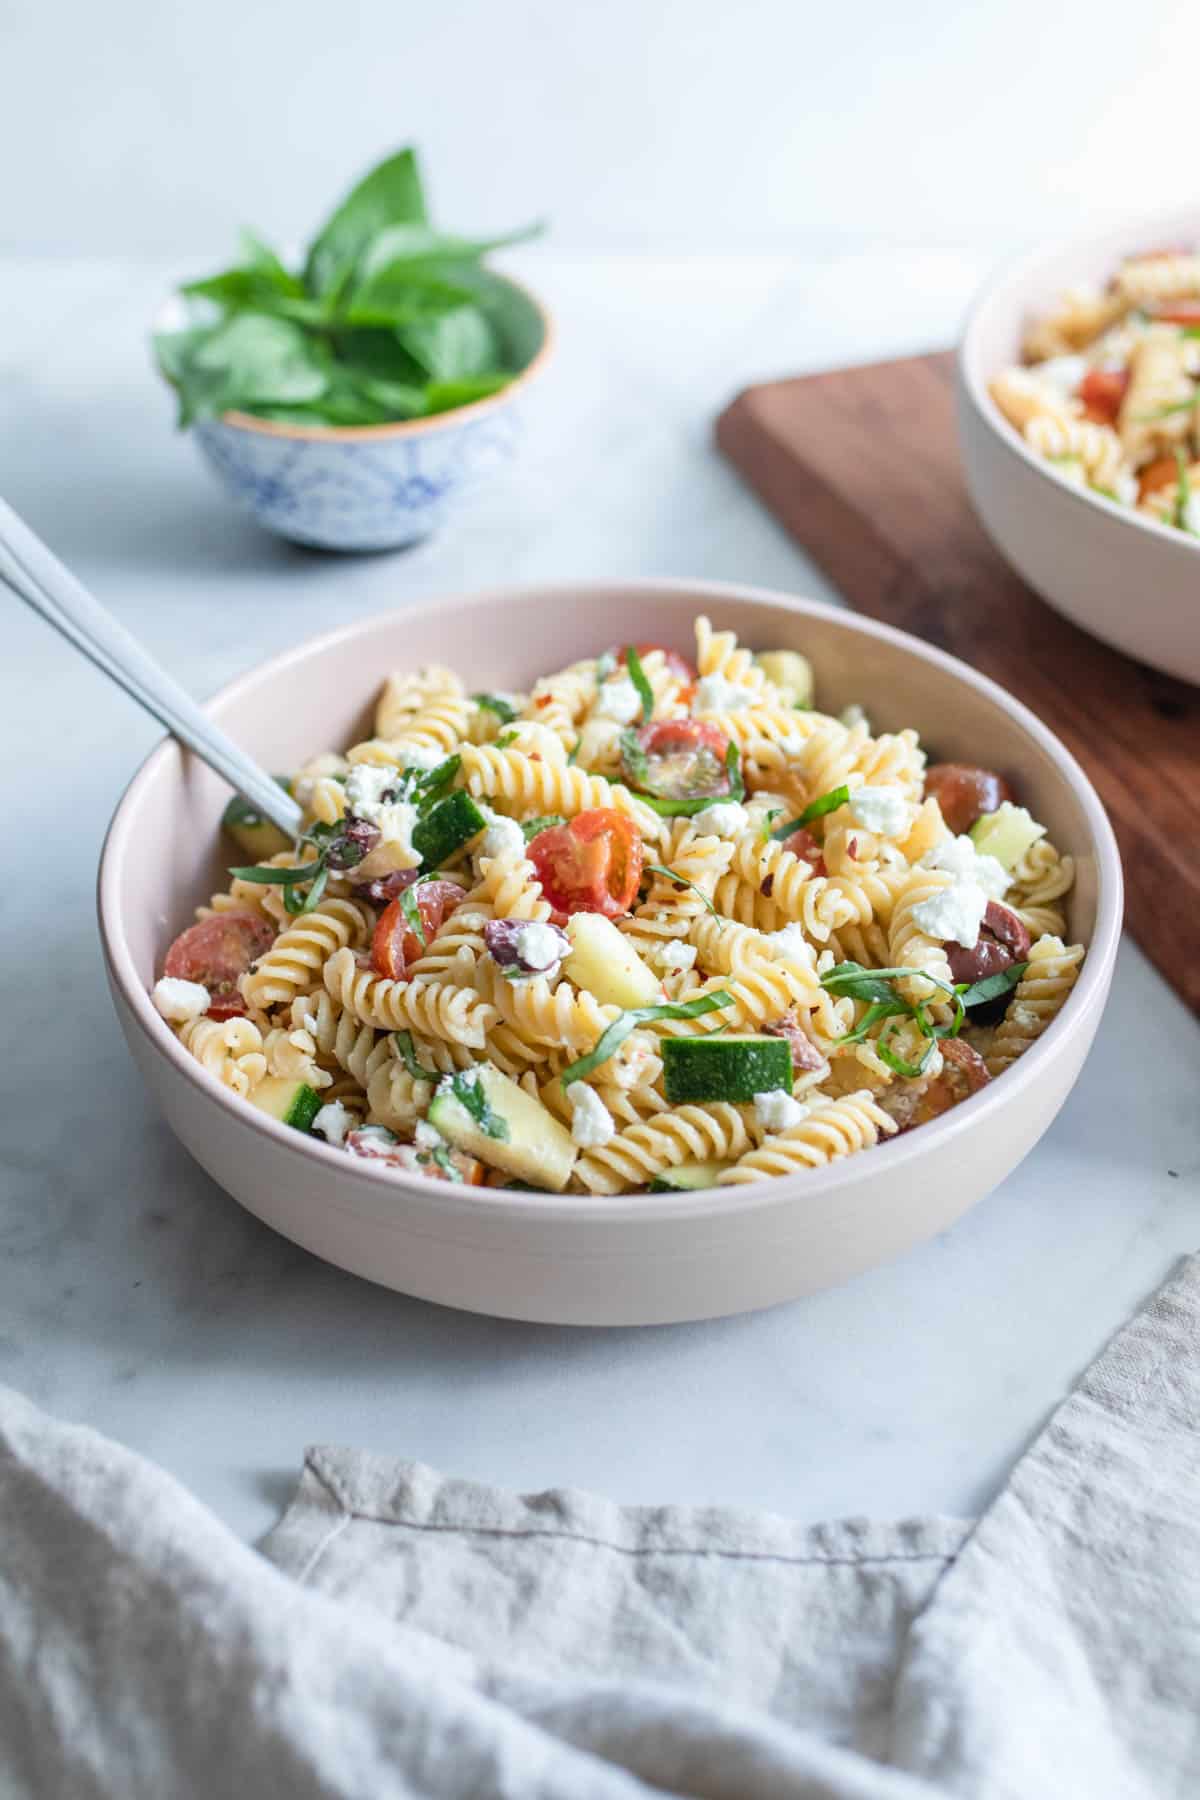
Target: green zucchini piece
698, 1069
251, 832
505, 1127
687, 1177
445, 828
291, 1102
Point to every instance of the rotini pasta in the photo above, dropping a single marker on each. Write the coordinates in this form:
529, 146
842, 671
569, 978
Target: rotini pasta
1109, 392
651, 924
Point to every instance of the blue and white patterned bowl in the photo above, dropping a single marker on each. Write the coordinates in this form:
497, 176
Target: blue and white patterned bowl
378, 487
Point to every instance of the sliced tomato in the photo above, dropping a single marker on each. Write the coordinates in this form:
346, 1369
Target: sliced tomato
1102, 391
678, 665
1178, 312
680, 759
215, 953
803, 844
593, 863
1163, 472
395, 944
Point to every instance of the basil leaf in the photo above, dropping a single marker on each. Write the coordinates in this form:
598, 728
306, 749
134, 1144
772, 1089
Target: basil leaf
495, 703
436, 784
470, 1095
611, 1040
816, 809
682, 880
992, 986
871, 985
391, 194
773, 813
531, 827
733, 768
633, 758
505, 739
445, 396
412, 912
265, 876
898, 1063
881, 1009
637, 675
407, 1051
292, 900
441, 1156
456, 346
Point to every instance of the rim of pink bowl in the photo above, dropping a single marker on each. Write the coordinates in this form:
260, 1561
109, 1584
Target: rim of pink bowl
466, 1203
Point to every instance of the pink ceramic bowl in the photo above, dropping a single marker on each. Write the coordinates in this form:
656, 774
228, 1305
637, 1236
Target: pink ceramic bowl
1125, 578
639, 1258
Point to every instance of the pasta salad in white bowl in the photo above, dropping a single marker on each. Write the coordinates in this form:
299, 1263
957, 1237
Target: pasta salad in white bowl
1079, 378
656, 922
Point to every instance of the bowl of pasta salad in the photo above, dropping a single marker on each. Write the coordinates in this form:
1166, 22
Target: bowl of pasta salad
1079, 410
650, 950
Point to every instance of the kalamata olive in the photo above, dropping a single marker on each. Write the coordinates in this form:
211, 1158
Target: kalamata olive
806, 1058
1003, 940
965, 793
357, 838
385, 888
803, 844
526, 947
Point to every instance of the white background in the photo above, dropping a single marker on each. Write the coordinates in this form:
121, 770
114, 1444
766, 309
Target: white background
134, 126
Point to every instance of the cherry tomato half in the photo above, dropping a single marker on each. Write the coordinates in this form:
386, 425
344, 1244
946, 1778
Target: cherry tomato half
684, 760
395, 943
1163, 472
1179, 312
678, 665
803, 844
215, 953
1102, 391
593, 863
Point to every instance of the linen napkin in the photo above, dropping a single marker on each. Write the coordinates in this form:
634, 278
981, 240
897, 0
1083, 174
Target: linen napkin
404, 1633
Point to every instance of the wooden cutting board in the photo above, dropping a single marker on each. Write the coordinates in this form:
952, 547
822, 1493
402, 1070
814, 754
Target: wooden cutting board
861, 465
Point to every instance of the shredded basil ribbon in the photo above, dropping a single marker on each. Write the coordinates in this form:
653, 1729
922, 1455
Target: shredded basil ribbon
612, 1039
532, 827
637, 675
816, 809
412, 911
407, 1051
495, 703
638, 768
662, 869
874, 989
471, 1097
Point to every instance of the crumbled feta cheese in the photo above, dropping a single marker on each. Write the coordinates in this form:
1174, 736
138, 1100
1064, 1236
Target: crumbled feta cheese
592, 1125
724, 818
618, 699
776, 1110
1064, 373
674, 955
179, 1001
418, 756
366, 785
954, 914
853, 715
883, 810
958, 856
790, 944
503, 837
716, 695
333, 1122
534, 739
540, 947
426, 1136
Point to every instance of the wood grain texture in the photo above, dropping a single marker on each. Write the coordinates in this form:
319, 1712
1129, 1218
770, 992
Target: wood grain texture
861, 465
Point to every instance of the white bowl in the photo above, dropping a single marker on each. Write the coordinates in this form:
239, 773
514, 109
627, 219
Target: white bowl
1125, 578
378, 487
638, 1258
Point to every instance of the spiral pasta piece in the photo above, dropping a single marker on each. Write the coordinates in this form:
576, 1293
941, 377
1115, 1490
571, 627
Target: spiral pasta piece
230, 1049
719, 653
1037, 1000
544, 1011
1144, 280
788, 882
339, 1037
407, 693
524, 786
561, 701
292, 1052
833, 1129
293, 963
637, 1154
909, 947
438, 1009
396, 1098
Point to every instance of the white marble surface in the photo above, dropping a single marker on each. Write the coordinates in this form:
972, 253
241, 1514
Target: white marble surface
136, 1296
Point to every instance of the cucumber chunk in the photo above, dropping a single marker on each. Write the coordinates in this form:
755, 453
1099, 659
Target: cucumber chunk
445, 828
1007, 834
251, 832
603, 961
688, 1176
697, 1069
537, 1148
291, 1102
791, 673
